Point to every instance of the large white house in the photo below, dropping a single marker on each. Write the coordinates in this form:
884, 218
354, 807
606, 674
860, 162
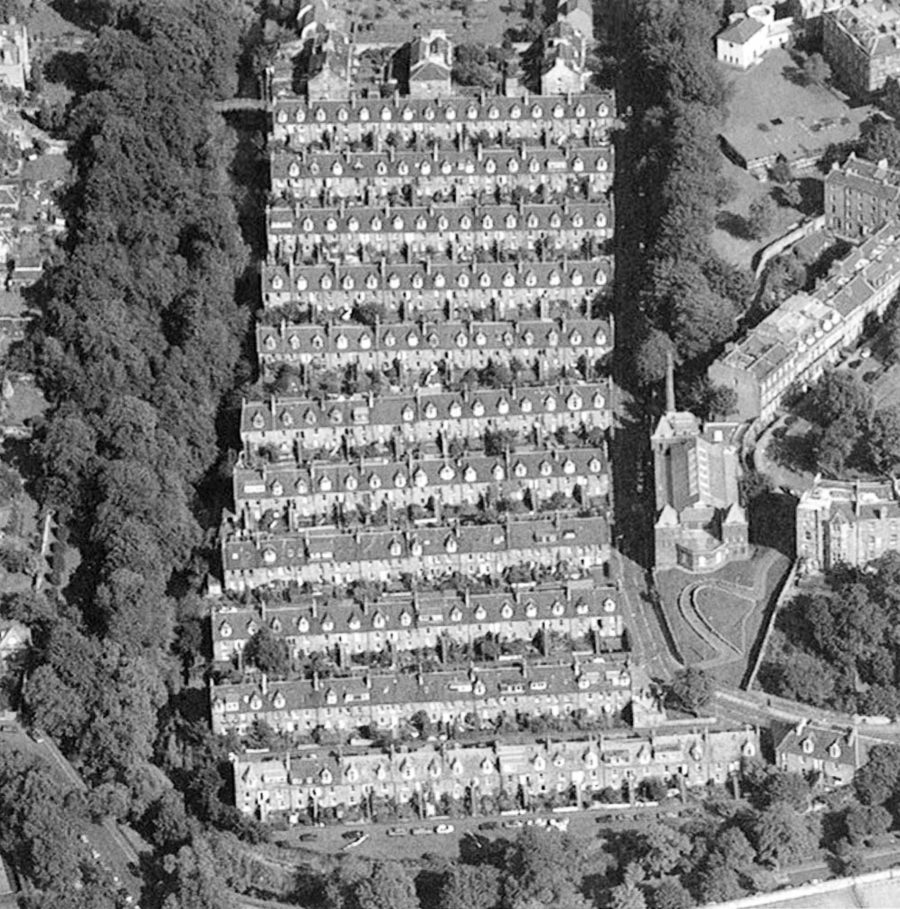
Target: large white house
750, 35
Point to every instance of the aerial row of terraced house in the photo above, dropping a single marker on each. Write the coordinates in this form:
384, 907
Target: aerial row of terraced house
422, 511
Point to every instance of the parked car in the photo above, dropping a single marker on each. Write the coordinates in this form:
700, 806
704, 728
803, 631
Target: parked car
420, 831
308, 837
396, 831
513, 825
488, 825
357, 841
352, 835
444, 829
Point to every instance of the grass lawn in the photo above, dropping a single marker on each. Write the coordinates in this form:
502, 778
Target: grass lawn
736, 617
727, 612
729, 238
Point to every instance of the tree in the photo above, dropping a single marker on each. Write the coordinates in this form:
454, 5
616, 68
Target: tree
784, 275
806, 677
879, 778
781, 171
815, 71
761, 217
671, 894
880, 141
470, 887
721, 401
627, 896
664, 849
882, 442
792, 195
782, 835
268, 652
651, 357
390, 886
717, 883
472, 65
542, 870
692, 690
866, 823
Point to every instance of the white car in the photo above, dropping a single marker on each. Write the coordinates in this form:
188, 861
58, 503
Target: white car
444, 828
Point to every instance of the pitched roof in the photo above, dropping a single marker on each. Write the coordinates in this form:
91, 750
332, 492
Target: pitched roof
742, 31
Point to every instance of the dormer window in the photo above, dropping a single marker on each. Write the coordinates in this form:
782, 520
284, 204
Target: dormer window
364, 114
484, 279
407, 114
462, 280
381, 168
412, 339
325, 484
807, 745
378, 620
525, 405
258, 421
337, 169
480, 339
515, 112
450, 113
478, 408
537, 112
399, 480
455, 614
574, 401
462, 339
407, 414
558, 608
282, 116
405, 619
389, 340
602, 164
609, 605
594, 465
447, 473
255, 702
575, 338
576, 278
420, 478
374, 481
554, 279
598, 401
534, 165
472, 112
599, 277
487, 767
351, 484
303, 624
277, 491
498, 472
442, 222
552, 338
225, 630
302, 487
294, 342
341, 341
546, 468
325, 282
277, 282
365, 342
310, 418
397, 223
509, 279
480, 613
530, 279
430, 411
278, 701
520, 470
395, 549
440, 281
386, 113
269, 556
293, 169
470, 475
455, 410
416, 548
506, 611
336, 416
549, 403
530, 609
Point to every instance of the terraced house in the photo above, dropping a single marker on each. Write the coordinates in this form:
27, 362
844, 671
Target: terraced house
584, 612
477, 698
319, 782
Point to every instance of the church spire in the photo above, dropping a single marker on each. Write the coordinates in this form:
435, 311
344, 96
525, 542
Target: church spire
670, 382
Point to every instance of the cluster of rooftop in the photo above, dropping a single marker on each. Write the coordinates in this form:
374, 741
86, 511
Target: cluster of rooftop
422, 500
